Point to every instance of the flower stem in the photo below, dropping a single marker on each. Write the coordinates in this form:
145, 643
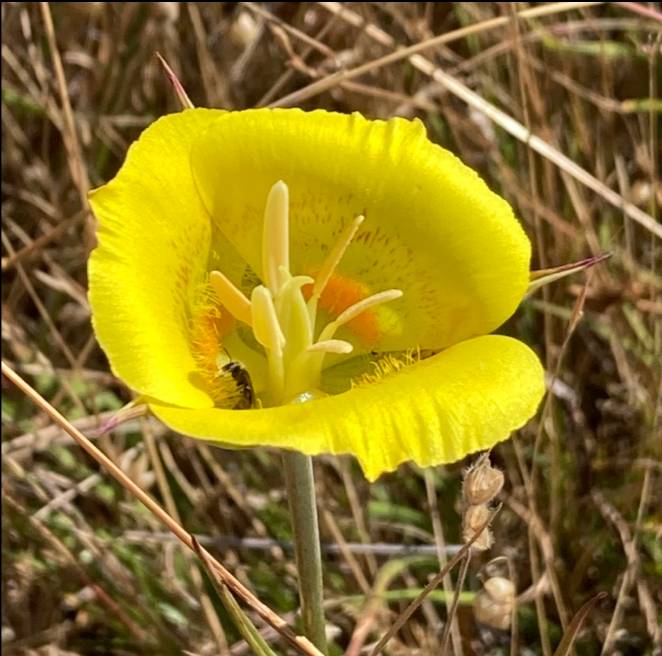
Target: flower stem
301, 493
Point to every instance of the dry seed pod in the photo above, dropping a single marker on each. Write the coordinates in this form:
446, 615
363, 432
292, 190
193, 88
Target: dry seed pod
482, 482
474, 518
487, 611
500, 589
244, 30
496, 567
494, 603
169, 11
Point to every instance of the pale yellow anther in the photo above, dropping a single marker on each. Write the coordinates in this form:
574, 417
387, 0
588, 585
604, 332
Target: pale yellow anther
335, 255
355, 310
338, 346
275, 237
233, 299
266, 327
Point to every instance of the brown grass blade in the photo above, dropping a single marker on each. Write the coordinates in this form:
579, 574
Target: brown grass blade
474, 100
576, 623
182, 96
62, 549
303, 645
243, 623
69, 132
433, 583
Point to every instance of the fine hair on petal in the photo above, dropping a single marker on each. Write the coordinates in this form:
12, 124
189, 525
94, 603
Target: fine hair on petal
387, 365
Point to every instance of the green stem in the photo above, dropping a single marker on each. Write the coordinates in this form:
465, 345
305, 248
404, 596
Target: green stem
301, 493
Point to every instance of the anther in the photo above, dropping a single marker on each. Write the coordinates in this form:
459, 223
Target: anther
339, 346
335, 255
355, 310
232, 298
266, 327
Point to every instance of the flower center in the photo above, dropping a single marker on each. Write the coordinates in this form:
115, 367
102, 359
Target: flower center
282, 312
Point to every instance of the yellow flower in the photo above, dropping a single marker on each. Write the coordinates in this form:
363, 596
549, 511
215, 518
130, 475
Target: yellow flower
352, 267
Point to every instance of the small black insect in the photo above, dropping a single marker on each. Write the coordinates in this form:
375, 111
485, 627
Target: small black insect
244, 384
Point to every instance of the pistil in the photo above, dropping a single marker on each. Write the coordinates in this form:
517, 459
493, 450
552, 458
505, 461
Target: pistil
276, 237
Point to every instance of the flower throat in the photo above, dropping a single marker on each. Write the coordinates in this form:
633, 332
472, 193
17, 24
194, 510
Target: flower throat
282, 315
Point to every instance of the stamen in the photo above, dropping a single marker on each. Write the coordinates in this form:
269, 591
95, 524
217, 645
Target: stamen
353, 311
282, 311
233, 299
376, 299
339, 346
335, 255
387, 365
275, 236
266, 328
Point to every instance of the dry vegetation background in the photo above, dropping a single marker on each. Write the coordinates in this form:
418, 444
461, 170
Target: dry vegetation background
86, 570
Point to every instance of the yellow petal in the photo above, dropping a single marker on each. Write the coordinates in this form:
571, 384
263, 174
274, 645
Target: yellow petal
154, 241
433, 228
464, 399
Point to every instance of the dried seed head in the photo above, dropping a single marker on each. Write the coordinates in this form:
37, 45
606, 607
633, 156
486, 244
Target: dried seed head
494, 603
474, 518
500, 589
482, 482
169, 11
487, 611
244, 30
498, 566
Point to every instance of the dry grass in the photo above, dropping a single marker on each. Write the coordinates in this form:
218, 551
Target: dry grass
87, 571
